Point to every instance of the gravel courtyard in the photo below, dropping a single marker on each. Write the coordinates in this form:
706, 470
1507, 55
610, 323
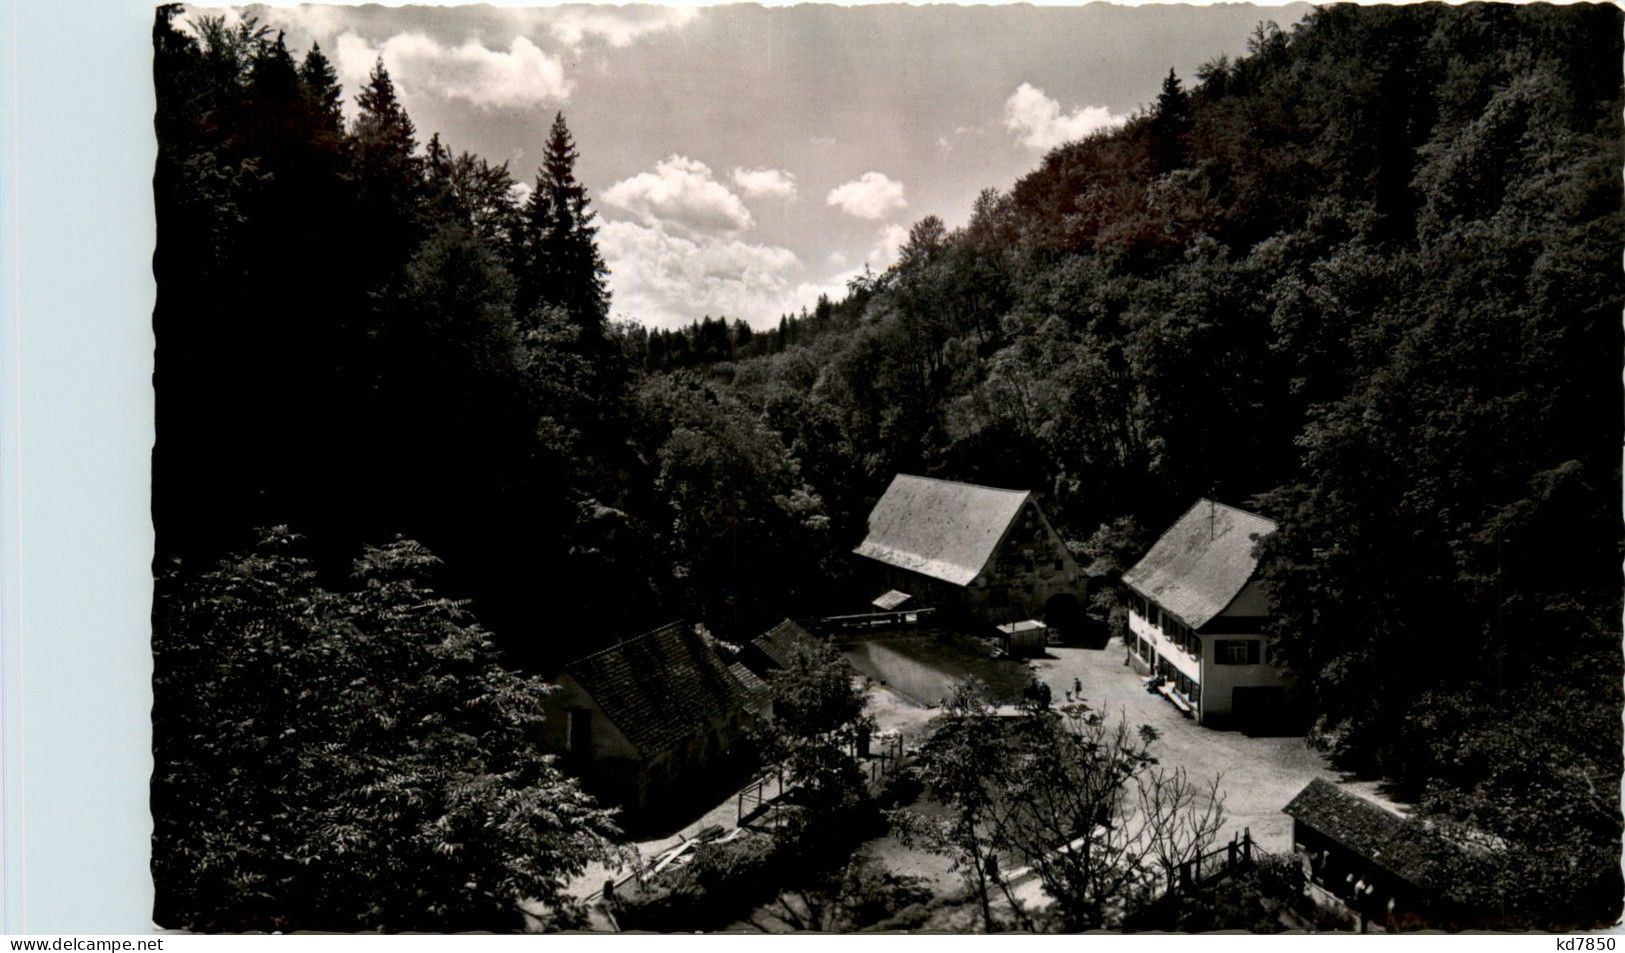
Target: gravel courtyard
1258, 775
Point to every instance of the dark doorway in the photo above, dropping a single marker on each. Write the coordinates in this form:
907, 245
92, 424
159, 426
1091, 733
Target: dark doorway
1265, 712
1064, 616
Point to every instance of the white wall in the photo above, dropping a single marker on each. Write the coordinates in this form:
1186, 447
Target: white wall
1184, 662
1218, 681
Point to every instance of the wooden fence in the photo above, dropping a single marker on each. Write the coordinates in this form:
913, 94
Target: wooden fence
1238, 855
754, 801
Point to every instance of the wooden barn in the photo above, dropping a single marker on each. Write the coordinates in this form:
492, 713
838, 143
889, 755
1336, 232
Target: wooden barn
652, 716
1367, 863
972, 551
1197, 616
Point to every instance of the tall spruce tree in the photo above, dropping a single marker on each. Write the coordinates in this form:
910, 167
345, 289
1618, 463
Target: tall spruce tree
561, 265
1170, 125
323, 97
389, 177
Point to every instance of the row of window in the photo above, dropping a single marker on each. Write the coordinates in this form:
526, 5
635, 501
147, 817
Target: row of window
1225, 651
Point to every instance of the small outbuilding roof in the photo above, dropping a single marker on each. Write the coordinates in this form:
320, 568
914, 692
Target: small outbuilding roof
890, 600
781, 643
1202, 562
940, 529
1025, 625
662, 687
1383, 838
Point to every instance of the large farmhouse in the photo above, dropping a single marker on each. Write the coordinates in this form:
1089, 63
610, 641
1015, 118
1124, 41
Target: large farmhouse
972, 551
1197, 615
643, 718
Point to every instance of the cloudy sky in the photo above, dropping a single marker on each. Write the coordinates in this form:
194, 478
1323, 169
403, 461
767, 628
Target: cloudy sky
743, 159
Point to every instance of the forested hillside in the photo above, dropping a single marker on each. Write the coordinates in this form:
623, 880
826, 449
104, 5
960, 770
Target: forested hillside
1364, 279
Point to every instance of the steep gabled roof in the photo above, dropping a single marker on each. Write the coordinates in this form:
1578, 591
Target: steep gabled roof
780, 643
664, 686
1202, 562
940, 529
1381, 837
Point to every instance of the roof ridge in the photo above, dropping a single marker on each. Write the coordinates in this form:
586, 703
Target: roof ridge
1201, 563
1232, 508
977, 486
624, 642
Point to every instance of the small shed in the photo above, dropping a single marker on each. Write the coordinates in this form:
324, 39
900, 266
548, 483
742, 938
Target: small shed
1370, 863
1027, 637
775, 648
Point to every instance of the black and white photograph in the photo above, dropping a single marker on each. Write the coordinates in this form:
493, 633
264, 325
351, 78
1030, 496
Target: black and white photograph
905, 469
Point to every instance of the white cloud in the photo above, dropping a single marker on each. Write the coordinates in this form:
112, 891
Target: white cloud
667, 280
615, 27
521, 191
318, 21
759, 183
889, 242
683, 192
522, 76
1038, 122
888, 247
834, 288
947, 144
872, 195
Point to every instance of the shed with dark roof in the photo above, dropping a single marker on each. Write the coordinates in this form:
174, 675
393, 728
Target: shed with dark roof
980, 551
775, 648
651, 712
1368, 861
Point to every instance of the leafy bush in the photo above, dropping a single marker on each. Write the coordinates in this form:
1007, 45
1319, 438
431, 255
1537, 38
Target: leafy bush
348, 760
1249, 901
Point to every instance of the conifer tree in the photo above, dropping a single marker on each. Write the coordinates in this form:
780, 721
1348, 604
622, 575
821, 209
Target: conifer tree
271, 73
385, 138
562, 266
388, 177
1170, 125
323, 97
